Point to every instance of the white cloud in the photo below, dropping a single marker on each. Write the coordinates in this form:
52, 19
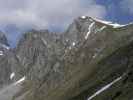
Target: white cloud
127, 6
46, 13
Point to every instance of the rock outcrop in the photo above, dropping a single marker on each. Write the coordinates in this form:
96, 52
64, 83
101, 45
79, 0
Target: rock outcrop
5, 69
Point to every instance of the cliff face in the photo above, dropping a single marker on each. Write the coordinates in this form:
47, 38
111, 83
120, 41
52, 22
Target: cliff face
5, 69
91, 60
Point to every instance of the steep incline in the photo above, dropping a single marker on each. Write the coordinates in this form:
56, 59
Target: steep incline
5, 68
91, 60
66, 66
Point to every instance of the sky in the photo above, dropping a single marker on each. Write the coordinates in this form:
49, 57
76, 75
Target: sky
17, 16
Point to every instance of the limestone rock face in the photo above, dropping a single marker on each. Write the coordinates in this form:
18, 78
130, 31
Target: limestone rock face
91, 60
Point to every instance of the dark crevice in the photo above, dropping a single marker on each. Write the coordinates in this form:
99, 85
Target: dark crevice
117, 94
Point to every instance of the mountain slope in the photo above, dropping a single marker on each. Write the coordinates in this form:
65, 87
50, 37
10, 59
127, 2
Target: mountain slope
5, 68
87, 61
62, 67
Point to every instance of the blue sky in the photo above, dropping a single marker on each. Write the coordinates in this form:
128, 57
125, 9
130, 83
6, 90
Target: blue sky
17, 16
115, 11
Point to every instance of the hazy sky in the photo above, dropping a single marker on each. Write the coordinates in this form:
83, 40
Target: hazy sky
19, 15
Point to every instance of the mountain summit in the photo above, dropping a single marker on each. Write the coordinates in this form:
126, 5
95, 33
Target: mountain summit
91, 60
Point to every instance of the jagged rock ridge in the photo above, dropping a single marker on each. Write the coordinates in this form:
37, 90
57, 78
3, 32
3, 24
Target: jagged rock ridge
74, 65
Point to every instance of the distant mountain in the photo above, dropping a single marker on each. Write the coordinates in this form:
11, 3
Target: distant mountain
5, 69
91, 60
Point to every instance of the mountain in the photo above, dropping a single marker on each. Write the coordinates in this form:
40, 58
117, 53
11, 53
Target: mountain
5, 69
91, 60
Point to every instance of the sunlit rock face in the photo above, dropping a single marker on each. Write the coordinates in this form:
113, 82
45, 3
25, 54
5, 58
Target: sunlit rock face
87, 61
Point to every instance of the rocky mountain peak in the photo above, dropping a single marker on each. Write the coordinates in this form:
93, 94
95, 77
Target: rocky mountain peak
3, 39
3, 42
90, 56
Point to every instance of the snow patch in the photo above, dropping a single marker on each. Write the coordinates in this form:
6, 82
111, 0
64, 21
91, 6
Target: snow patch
90, 26
12, 75
115, 25
20, 81
83, 17
90, 20
95, 55
73, 43
99, 30
44, 41
103, 21
1, 53
104, 88
4, 46
102, 28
